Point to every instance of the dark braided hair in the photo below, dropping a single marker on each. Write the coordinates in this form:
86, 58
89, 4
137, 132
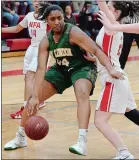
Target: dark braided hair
46, 8
127, 8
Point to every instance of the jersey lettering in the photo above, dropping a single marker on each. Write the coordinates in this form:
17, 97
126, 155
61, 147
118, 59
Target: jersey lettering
63, 62
34, 25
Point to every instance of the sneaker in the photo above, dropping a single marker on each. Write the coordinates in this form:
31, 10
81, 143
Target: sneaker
17, 142
17, 115
42, 105
79, 149
130, 156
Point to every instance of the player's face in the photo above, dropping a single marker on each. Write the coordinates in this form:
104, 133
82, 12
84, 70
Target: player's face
56, 21
35, 5
115, 12
111, 8
68, 10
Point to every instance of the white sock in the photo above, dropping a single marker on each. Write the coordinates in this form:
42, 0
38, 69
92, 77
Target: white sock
124, 151
82, 135
25, 102
21, 132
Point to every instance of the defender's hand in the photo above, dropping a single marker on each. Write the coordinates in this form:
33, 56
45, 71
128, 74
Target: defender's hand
116, 74
104, 20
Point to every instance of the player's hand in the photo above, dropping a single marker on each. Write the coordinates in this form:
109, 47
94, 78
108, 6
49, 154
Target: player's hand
116, 74
32, 105
90, 57
104, 20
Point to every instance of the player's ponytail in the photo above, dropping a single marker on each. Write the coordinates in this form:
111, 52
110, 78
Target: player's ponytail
42, 10
127, 8
46, 8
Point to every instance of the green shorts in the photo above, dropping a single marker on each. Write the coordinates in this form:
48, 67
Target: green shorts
63, 80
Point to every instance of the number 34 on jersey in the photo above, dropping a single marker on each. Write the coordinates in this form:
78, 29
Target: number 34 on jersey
63, 62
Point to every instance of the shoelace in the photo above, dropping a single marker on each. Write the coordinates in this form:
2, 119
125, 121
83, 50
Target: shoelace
82, 139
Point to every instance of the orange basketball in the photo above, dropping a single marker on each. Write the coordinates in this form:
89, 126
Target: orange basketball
36, 128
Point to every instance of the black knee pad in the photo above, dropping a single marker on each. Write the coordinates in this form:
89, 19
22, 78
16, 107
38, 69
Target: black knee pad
133, 115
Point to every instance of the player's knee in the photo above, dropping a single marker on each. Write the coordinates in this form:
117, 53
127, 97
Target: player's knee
29, 77
98, 122
82, 94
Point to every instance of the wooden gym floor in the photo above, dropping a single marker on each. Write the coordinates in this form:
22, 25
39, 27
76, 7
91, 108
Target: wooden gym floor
60, 111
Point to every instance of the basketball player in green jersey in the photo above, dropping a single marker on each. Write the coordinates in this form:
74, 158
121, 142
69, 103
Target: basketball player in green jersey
67, 43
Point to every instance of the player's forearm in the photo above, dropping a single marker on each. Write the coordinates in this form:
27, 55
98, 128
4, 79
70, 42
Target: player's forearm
103, 59
39, 77
102, 5
13, 29
129, 28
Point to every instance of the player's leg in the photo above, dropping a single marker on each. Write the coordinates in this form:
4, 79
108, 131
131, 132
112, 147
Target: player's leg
101, 122
131, 112
82, 88
113, 99
127, 43
30, 67
133, 115
29, 79
53, 83
47, 90
84, 81
137, 39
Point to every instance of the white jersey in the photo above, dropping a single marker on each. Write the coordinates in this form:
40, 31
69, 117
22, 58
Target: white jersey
112, 46
116, 95
36, 28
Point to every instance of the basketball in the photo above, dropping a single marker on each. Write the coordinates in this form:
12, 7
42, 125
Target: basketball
36, 128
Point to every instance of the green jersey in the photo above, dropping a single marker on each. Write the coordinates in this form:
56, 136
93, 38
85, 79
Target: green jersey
66, 55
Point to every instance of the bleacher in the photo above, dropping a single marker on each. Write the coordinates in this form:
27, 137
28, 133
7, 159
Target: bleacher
16, 41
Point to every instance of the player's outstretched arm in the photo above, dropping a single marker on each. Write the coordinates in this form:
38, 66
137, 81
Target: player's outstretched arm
103, 7
129, 28
14, 29
78, 37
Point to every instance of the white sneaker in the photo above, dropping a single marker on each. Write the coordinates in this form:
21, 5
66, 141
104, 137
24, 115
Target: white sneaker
130, 156
17, 142
79, 149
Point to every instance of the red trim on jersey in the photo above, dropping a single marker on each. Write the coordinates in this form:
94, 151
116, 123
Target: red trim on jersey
110, 97
105, 44
106, 99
